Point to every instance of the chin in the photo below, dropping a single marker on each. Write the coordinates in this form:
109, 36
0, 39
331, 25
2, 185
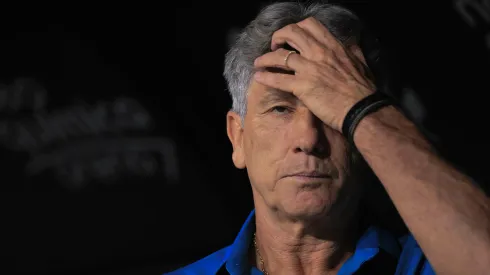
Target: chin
308, 202
308, 209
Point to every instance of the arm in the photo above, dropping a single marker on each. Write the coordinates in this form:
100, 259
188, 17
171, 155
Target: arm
447, 214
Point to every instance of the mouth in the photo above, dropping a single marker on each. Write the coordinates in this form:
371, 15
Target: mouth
313, 175
310, 179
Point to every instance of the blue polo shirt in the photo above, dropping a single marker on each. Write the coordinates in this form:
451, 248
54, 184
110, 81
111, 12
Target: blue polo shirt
377, 252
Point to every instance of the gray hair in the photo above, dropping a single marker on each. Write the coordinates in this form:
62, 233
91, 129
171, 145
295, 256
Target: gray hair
255, 40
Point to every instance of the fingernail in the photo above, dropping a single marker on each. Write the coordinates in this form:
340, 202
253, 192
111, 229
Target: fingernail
258, 76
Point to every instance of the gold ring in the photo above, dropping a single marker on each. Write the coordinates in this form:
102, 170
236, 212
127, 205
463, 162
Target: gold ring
287, 56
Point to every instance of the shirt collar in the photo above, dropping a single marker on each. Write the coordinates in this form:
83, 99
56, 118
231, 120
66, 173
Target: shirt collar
367, 247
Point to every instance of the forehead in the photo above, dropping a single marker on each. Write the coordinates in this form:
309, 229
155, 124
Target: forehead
261, 94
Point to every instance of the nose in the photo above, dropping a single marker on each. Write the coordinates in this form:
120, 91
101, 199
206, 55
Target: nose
310, 135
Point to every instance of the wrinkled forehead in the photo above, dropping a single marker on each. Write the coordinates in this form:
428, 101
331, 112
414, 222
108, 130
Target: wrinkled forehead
261, 96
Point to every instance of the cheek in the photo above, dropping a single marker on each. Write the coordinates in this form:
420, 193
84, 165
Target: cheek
266, 140
266, 148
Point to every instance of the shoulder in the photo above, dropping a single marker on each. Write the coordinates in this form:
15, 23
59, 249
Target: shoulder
207, 265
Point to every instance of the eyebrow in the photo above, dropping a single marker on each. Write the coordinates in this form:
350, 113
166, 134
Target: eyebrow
274, 95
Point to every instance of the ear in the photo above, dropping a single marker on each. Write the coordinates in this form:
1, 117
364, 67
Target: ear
235, 134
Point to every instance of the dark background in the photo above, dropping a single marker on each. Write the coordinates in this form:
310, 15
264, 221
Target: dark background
112, 125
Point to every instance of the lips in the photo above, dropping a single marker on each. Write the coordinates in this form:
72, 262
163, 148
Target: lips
313, 174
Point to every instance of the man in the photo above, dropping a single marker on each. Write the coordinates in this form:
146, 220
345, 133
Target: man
300, 122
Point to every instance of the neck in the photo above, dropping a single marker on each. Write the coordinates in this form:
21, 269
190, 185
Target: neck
293, 246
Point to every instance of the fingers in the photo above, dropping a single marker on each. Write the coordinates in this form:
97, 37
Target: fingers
297, 38
357, 52
351, 58
320, 33
359, 62
320, 54
283, 82
311, 38
282, 59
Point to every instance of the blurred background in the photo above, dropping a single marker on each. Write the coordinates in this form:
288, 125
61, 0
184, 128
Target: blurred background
113, 147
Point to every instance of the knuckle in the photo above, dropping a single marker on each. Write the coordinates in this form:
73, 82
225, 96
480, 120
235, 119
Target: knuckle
345, 59
323, 54
338, 47
282, 52
309, 20
292, 28
275, 34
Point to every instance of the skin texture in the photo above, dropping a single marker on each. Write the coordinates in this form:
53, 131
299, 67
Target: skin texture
304, 184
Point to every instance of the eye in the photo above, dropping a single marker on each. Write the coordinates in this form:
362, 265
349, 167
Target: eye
280, 109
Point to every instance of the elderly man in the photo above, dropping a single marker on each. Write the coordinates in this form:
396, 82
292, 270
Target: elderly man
304, 123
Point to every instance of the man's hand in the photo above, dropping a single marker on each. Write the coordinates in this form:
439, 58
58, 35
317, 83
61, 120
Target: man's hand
328, 77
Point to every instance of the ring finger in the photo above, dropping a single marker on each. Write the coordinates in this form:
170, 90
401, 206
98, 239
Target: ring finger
281, 59
297, 38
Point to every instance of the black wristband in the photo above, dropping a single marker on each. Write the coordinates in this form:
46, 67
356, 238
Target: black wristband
365, 106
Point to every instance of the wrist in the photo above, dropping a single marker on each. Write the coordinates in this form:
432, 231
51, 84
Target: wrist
371, 122
385, 124
362, 109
